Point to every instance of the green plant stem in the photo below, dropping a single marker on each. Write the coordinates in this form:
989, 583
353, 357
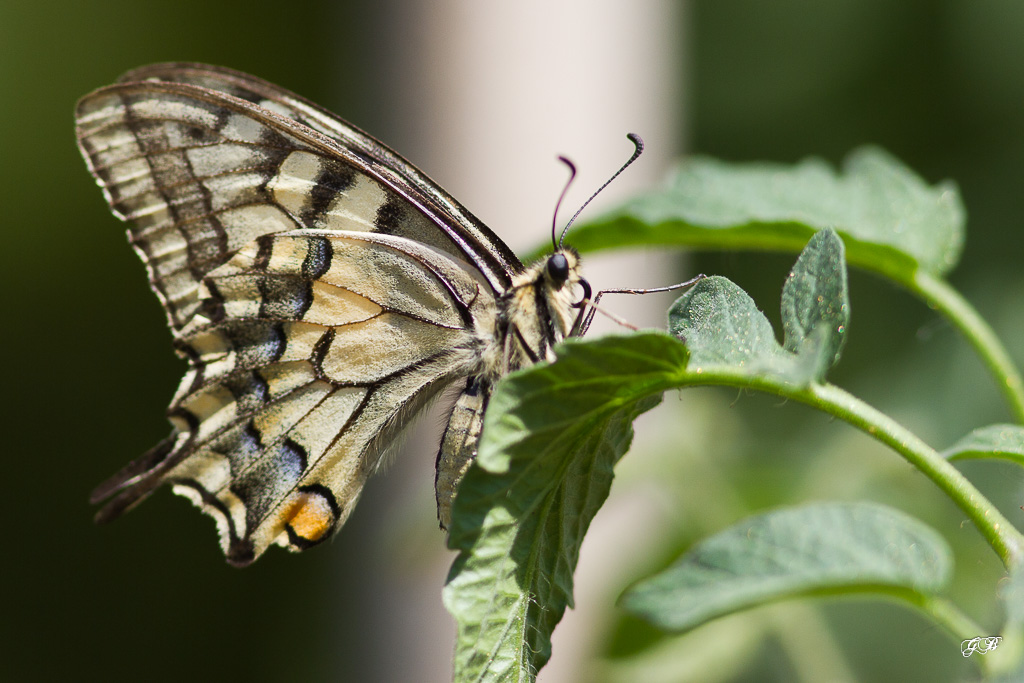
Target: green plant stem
955, 621
809, 643
938, 294
949, 615
997, 530
1004, 538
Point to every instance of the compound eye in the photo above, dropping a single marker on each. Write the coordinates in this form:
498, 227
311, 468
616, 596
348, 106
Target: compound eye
558, 269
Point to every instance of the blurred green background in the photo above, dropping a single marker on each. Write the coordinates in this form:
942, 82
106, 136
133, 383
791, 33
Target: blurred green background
88, 368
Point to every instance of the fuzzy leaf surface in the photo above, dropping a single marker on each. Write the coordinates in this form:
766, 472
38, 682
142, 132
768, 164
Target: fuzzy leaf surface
891, 220
552, 435
817, 549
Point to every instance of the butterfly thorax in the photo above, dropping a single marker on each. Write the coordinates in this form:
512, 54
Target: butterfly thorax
538, 310
535, 313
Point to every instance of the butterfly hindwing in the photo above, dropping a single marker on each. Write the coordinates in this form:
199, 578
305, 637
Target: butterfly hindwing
308, 351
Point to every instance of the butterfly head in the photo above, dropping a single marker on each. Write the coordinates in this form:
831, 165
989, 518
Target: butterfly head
558, 281
560, 274
563, 267
559, 266
566, 285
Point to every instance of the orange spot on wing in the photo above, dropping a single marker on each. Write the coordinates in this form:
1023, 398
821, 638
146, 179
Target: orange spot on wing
310, 516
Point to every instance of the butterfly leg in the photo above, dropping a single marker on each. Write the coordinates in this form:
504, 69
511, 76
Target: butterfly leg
459, 444
593, 308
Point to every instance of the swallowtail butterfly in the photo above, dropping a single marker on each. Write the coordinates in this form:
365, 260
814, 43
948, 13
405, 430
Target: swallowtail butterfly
320, 287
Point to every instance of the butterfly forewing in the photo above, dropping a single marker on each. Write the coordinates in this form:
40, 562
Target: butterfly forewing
489, 253
198, 172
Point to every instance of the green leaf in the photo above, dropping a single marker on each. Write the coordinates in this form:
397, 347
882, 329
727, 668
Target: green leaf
723, 329
816, 297
819, 549
552, 434
726, 333
891, 220
1003, 441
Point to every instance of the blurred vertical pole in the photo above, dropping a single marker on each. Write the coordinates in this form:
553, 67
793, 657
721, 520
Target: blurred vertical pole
482, 97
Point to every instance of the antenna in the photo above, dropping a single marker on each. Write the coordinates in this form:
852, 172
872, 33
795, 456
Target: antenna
639, 144
554, 219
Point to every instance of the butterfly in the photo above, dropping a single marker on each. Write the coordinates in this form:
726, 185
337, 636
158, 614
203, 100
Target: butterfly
322, 290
